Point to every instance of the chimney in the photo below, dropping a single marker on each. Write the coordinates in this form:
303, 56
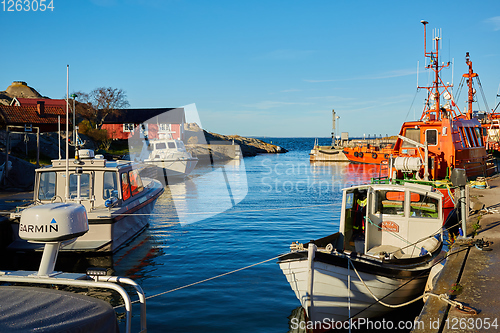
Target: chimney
40, 108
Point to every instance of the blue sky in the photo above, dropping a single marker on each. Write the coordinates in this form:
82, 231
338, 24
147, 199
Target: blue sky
254, 68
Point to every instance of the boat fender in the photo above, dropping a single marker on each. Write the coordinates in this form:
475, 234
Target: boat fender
360, 154
386, 156
356, 154
374, 156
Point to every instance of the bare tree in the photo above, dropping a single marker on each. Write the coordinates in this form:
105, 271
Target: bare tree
100, 103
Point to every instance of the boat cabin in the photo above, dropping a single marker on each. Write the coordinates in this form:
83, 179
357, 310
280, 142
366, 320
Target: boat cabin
450, 142
93, 182
390, 220
162, 148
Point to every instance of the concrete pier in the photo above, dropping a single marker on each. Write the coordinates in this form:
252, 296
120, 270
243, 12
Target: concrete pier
476, 272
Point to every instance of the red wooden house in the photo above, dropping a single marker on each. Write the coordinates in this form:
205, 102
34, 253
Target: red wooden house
123, 123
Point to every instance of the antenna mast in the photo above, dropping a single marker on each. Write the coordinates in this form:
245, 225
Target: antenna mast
433, 90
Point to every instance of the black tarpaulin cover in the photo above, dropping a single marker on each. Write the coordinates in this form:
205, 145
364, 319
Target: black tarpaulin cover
30, 309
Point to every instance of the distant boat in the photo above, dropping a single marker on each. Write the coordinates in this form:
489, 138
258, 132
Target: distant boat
118, 201
369, 153
168, 154
389, 239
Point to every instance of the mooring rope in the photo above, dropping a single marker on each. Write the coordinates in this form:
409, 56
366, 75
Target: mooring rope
202, 281
404, 284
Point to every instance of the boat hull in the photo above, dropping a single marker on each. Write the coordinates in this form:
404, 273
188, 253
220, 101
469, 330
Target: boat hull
332, 294
367, 156
177, 168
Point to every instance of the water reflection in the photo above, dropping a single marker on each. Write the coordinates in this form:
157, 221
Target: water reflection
210, 190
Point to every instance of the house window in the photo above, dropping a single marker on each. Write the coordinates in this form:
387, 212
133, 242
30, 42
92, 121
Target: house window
163, 127
128, 127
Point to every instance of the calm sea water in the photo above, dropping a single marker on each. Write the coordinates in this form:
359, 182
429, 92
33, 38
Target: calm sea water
216, 222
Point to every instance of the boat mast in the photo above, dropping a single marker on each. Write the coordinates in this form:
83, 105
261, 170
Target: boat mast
438, 83
469, 77
333, 128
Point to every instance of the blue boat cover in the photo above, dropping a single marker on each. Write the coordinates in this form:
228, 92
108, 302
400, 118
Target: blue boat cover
31, 309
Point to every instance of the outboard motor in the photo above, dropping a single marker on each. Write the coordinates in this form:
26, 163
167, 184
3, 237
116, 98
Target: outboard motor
52, 224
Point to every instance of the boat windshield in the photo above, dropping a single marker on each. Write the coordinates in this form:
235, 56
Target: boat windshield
389, 202
84, 185
47, 187
110, 185
160, 145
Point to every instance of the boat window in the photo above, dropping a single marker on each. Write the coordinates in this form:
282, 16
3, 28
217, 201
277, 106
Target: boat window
171, 144
431, 136
161, 145
84, 185
110, 185
470, 135
47, 187
413, 134
479, 136
135, 182
125, 186
389, 202
424, 206
465, 142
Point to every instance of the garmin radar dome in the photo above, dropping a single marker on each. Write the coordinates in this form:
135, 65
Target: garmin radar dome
54, 222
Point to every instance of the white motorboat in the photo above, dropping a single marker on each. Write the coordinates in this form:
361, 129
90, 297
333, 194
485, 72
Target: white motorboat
118, 201
54, 226
170, 155
389, 238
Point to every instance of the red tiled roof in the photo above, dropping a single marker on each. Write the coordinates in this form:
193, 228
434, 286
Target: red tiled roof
20, 115
47, 101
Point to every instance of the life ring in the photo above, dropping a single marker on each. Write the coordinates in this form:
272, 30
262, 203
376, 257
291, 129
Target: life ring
360, 154
386, 156
374, 156
355, 154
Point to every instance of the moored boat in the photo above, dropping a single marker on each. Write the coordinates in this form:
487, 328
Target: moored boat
369, 153
389, 239
443, 138
118, 201
170, 156
55, 225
